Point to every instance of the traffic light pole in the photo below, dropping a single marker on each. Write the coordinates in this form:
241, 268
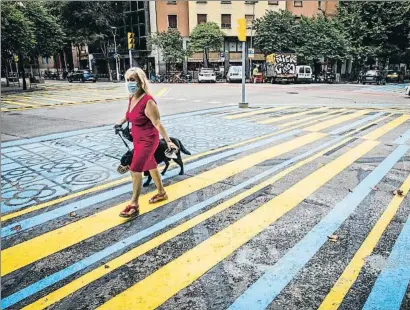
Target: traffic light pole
130, 54
243, 103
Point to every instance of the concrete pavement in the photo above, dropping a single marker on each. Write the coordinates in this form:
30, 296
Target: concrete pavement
295, 197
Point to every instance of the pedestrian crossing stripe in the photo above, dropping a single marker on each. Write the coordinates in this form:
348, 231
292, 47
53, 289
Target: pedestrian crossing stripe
161, 285
322, 117
39, 247
351, 272
329, 123
143, 248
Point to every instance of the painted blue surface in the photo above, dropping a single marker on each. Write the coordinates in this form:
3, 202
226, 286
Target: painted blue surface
94, 129
66, 272
403, 139
390, 287
7, 231
260, 294
355, 124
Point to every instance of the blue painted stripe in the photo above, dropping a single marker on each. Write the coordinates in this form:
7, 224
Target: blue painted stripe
403, 138
355, 124
70, 270
390, 287
260, 294
94, 129
81, 204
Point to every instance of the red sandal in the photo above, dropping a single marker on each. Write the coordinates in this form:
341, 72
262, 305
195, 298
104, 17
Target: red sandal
125, 213
158, 197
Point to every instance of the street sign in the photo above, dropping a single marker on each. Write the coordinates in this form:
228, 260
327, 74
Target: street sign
251, 53
222, 56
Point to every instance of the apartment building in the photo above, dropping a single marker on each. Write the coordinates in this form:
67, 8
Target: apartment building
312, 8
226, 14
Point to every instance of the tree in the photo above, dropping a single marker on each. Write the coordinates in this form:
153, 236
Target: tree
377, 29
206, 37
321, 37
18, 34
171, 45
276, 32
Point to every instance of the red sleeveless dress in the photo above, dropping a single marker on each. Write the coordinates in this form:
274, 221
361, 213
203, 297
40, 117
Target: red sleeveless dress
145, 136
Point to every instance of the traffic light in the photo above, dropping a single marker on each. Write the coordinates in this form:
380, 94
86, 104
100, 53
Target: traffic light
131, 40
242, 29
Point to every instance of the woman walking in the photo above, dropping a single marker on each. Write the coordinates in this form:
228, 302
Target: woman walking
144, 116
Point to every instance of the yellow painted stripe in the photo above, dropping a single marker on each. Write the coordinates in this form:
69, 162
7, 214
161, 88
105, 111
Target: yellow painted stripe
158, 287
324, 116
350, 274
99, 272
27, 98
30, 103
161, 92
330, 123
17, 103
387, 127
39, 247
261, 111
288, 116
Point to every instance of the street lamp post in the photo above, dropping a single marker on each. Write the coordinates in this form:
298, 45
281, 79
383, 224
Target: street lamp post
114, 31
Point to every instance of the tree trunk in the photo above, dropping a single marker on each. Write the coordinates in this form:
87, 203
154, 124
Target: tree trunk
206, 59
109, 69
22, 73
38, 66
6, 65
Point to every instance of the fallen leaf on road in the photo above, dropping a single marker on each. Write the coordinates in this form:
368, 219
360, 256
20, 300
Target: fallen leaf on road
398, 192
73, 214
333, 238
16, 228
106, 266
350, 190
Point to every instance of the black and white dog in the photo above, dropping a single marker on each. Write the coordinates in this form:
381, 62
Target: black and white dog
159, 158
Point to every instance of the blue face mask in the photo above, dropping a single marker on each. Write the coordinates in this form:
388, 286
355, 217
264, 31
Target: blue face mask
132, 87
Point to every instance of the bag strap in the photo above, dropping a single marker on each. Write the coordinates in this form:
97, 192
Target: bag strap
124, 141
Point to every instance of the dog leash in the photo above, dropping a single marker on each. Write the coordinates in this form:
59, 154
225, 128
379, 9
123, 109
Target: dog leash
119, 133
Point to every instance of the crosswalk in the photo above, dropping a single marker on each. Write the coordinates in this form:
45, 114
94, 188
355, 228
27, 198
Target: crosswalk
60, 95
247, 227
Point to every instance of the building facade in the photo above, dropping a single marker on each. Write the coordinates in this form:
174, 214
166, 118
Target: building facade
226, 15
312, 8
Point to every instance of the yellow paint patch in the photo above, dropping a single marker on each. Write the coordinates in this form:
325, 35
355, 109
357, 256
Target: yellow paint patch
329, 123
261, 111
386, 128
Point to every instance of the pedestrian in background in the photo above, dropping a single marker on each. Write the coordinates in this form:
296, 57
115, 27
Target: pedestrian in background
144, 116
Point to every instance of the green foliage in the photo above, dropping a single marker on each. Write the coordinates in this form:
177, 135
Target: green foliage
206, 36
171, 45
321, 37
276, 32
17, 32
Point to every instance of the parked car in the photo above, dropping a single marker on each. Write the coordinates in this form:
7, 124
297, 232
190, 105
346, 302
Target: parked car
206, 75
303, 74
392, 76
408, 90
234, 74
374, 76
82, 76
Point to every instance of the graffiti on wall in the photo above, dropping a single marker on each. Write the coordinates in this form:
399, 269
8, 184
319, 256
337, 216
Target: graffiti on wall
285, 63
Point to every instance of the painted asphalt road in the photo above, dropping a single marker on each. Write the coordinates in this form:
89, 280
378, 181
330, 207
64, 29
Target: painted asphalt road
247, 227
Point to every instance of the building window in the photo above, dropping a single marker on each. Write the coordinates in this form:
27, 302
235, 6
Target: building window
226, 21
201, 1
226, 2
249, 21
298, 3
171, 2
172, 21
273, 2
319, 4
250, 2
201, 18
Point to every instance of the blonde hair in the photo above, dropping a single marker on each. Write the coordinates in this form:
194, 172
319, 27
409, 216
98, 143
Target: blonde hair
139, 76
